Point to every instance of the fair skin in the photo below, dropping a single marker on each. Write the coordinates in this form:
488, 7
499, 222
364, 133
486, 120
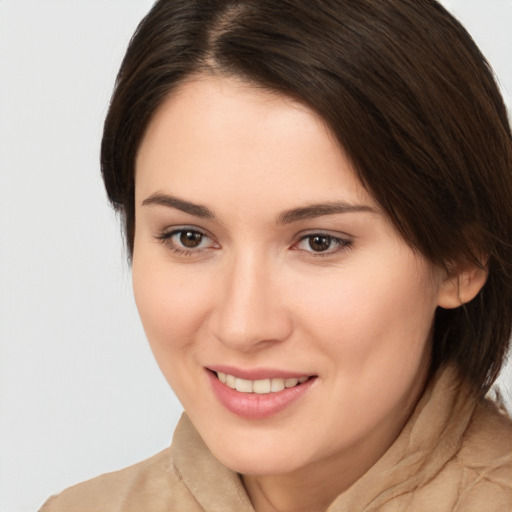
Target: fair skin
234, 268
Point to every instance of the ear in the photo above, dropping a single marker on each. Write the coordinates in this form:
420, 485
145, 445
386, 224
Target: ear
460, 287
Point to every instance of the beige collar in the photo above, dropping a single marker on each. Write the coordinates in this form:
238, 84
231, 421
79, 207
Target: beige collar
429, 439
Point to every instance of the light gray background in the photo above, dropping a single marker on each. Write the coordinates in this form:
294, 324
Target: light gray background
80, 393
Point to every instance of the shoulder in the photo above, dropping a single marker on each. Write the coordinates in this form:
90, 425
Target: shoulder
483, 464
473, 472
488, 437
153, 484
486, 451
185, 477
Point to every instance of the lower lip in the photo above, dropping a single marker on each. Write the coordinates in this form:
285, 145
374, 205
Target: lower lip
253, 405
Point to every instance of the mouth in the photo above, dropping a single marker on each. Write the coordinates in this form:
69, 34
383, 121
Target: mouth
268, 392
260, 386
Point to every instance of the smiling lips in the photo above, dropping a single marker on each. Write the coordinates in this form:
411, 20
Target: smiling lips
259, 398
262, 386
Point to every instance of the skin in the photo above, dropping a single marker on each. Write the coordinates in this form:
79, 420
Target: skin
255, 294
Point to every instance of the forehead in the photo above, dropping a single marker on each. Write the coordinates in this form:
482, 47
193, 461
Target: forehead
221, 133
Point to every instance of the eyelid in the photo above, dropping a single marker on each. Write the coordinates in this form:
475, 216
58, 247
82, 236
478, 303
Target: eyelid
343, 242
165, 237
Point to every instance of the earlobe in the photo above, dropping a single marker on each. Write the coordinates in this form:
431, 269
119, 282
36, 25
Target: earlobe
461, 287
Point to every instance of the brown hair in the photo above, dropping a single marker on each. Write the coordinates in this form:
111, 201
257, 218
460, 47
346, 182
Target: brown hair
406, 92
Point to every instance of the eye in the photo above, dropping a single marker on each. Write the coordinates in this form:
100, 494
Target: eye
322, 243
186, 241
189, 239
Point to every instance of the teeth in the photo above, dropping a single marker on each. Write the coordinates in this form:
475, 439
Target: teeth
231, 381
276, 385
260, 387
245, 386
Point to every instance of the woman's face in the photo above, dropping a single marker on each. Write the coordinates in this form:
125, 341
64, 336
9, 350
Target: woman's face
259, 255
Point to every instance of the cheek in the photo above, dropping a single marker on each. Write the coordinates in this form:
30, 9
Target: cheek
171, 304
372, 313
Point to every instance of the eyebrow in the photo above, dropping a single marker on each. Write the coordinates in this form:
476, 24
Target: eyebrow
318, 210
180, 204
302, 213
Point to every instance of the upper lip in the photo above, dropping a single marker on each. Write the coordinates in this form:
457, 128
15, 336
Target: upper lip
257, 373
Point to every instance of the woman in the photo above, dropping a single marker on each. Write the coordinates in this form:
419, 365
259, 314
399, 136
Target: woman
316, 201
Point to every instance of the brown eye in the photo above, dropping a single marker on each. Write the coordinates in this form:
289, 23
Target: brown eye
190, 239
320, 243
187, 242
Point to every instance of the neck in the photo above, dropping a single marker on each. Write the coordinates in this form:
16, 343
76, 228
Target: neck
311, 490
313, 487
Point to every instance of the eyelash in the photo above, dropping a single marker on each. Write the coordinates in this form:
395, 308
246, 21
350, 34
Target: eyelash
167, 236
341, 244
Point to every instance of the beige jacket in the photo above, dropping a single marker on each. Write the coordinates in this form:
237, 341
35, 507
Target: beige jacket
454, 454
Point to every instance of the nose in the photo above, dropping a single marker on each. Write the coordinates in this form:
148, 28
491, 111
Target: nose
250, 312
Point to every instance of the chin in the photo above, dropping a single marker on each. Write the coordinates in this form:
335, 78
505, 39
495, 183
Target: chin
257, 464
268, 457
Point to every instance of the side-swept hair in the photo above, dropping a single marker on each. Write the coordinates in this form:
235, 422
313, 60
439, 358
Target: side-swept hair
408, 95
